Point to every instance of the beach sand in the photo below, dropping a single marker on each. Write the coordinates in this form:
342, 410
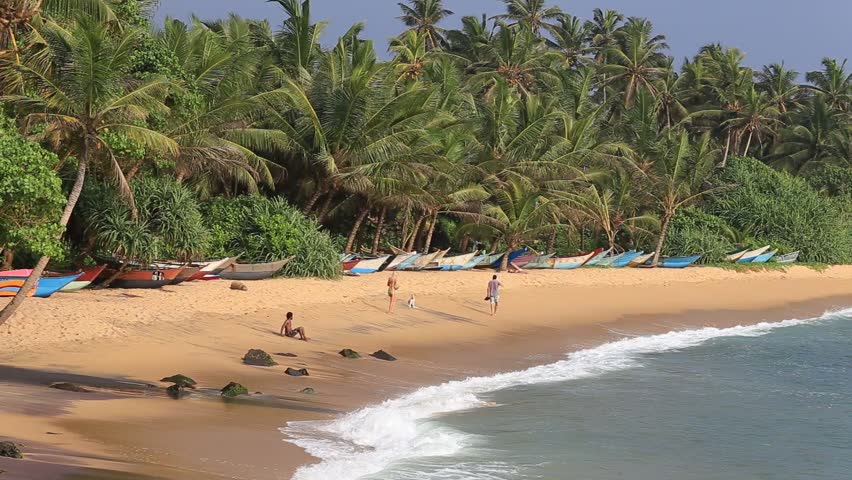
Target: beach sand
121, 342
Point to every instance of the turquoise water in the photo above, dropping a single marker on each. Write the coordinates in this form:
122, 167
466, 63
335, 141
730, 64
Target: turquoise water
772, 401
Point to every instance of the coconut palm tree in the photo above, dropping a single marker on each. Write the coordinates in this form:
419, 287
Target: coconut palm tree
833, 83
780, 83
83, 93
532, 14
636, 62
570, 38
423, 17
818, 134
297, 44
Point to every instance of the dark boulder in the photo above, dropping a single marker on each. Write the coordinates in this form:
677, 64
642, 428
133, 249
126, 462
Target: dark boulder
234, 389
349, 353
383, 355
294, 372
10, 450
239, 286
308, 391
69, 387
176, 391
180, 380
258, 357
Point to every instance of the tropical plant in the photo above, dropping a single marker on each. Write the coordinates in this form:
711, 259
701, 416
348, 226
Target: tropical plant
423, 17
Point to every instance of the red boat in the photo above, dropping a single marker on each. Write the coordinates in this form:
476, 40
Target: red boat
350, 264
144, 278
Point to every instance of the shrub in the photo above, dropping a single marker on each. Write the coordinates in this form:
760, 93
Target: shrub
784, 211
831, 180
694, 231
262, 230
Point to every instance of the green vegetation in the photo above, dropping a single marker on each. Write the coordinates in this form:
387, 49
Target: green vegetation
535, 127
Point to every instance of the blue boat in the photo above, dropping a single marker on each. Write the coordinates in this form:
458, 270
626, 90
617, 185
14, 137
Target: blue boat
512, 257
596, 260
626, 258
47, 286
473, 263
749, 256
765, 257
677, 262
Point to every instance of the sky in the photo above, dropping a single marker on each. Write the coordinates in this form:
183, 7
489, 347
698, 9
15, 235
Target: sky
800, 33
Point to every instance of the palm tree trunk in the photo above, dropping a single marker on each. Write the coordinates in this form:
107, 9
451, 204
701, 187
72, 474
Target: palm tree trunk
403, 234
664, 230
350, 242
326, 206
504, 263
8, 257
414, 233
135, 170
431, 232
313, 200
727, 149
16, 302
465, 243
379, 226
551, 242
748, 142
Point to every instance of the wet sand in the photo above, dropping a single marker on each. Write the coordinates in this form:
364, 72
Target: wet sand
126, 340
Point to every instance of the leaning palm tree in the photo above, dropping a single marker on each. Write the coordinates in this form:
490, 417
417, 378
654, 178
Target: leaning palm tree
423, 17
80, 94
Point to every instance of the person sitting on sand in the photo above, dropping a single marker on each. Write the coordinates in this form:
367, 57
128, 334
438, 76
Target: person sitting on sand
494, 294
393, 286
287, 329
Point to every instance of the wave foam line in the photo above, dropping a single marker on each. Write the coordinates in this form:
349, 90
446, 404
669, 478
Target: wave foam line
366, 441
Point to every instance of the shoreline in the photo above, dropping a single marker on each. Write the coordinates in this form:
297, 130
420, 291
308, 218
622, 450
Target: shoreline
449, 337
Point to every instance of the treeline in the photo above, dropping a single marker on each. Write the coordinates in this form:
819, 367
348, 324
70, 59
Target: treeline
535, 127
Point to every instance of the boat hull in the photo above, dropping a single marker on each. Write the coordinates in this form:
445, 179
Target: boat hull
368, 266
596, 260
749, 256
455, 263
86, 279
678, 262
46, 286
626, 258
144, 279
252, 271
765, 257
788, 258
185, 275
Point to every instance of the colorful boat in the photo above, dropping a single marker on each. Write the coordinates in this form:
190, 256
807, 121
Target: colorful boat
425, 260
185, 275
609, 260
10, 288
89, 275
253, 271
512, 257
46, 286
541, 261
489, 259
788, 258
434, 264
213, 268
144, 278
456, 262
640, 260
401, 259
677, 262
474, 262
596, 260
573, 261
750, 255
765, 257
349, 264
525, 259
734, 256
369, 265
626, 258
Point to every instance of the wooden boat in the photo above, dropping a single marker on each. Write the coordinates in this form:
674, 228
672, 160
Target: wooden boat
369, 265
625, 258
512, 257
143, 278
10, 288
425, 260
734, 256
541, 261
88, 276
213, 268
640, 260
434, 264
456, 262
596, 260
253, 271
788, 258
46, 286
765, 257
573, 261
185, 275
348, 264
608, 260
750, 255
525, 259
676, 262
474, 262
401, 259
489, 259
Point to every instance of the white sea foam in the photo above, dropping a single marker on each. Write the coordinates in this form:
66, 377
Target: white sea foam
366, 441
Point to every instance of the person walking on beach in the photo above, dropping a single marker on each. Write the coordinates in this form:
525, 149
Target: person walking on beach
494, 294
393, 286
287, 329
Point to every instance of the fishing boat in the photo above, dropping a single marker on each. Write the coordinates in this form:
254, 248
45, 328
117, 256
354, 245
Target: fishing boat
425, 260
185, 275
512, 257
489, 259
213, 268
401, 259
456, 262
142, 278
608, 260
88, 276
541, 261
349, 264
596, 260
640, 260
765, 257
736, 255
435, 263
253, 271
625, 258
9, 288
788, 258
46, 286
369, 265
573, 261
677, 262
750, 255
474, 262
525, 259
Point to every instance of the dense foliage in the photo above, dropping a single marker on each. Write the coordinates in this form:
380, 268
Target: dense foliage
261, 229
775, 208
698, 232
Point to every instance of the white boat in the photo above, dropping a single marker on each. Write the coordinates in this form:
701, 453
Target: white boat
752, 254
456, 262
422, 261
400, 259
541, 261
369, 265
788, 258
572, 262
435, 263
640, 260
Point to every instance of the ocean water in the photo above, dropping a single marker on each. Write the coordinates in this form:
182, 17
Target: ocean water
768, 401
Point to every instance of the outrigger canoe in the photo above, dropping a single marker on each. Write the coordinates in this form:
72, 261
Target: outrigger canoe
765, 257
213, 268
596, 260
253, 271
45, 287
573, 261
369, 265
456, 262
677, 262
401, 259
88, 276
145, 278
750, 255
539, 262
788, 258
625, 258
640, 260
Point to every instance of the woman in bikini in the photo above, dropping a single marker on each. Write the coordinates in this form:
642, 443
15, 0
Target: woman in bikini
393, 286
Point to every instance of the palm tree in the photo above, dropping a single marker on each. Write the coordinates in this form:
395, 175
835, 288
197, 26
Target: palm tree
83, 93
818, 134
637, 62
297, 44
570, 38
780, 83
758, 116
833, 83
423, 17
532, 14
517, 57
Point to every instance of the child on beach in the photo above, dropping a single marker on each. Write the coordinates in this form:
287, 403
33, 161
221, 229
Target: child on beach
287, 329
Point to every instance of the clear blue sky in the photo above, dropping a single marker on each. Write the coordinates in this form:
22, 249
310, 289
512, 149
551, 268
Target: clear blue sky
795, 31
